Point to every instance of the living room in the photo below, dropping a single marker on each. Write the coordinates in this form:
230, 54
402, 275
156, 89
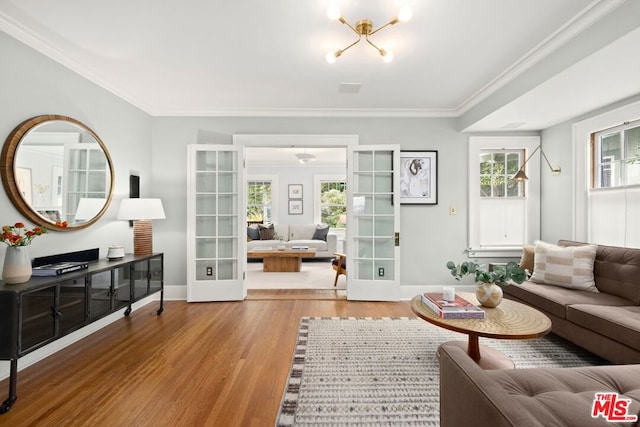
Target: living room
563, 94
296, 187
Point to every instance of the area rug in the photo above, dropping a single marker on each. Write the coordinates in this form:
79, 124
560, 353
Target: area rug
384, 371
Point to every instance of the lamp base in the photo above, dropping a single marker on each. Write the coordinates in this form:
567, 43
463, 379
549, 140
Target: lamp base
142, 237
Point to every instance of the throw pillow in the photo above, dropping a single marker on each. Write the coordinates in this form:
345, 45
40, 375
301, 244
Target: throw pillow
569, 267
526, 261
267, 232
253, 233
321, 232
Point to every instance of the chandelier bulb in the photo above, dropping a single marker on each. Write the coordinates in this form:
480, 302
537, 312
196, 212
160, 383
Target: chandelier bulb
387, 55
333, 12
331, 57
405, 13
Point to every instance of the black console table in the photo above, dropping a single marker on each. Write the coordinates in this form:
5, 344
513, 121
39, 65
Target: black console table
44, 309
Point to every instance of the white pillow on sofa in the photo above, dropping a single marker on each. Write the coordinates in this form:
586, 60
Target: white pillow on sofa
569, 267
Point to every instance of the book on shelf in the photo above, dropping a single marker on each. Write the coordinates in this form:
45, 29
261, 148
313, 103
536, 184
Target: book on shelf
59, 268
459, 308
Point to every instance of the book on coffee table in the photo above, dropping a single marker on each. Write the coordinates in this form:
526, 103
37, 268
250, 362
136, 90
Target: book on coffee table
459, 308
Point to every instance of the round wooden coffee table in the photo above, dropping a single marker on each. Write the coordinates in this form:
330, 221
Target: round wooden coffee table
510, 320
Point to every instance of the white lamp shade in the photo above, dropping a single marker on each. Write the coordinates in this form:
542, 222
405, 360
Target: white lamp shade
140, 209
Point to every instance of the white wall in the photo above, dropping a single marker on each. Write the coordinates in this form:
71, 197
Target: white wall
556, 201
31, 85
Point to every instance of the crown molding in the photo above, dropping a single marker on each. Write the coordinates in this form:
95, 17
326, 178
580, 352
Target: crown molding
311, 112
33, 40
587, 17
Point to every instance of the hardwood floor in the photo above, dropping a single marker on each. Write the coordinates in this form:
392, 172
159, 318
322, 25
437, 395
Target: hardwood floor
199, 364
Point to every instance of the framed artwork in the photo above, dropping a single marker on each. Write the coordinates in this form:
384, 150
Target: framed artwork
23, 182
295, 191
418, 177
295, 207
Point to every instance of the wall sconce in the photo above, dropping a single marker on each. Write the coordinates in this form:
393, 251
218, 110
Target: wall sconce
520, 176
141, 212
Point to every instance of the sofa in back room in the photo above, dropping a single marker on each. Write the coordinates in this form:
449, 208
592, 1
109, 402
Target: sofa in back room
596, 308
315, 236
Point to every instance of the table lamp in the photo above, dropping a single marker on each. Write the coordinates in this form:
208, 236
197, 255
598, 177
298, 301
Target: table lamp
141, 212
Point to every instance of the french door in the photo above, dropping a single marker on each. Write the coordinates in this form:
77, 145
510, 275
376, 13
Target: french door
373, 223
215, 203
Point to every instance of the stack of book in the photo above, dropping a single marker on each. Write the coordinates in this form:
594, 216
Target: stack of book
58, 268
459, 308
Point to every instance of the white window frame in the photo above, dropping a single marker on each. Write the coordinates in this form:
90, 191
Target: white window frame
477, 144
274, 191
597, 164
582, 132
317, 197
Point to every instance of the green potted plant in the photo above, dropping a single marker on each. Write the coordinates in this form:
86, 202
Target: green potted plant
489, 293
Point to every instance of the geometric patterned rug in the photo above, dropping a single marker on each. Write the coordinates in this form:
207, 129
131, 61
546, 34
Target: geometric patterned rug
384, 371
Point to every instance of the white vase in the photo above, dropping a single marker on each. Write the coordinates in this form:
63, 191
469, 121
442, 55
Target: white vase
489, 295
17, 265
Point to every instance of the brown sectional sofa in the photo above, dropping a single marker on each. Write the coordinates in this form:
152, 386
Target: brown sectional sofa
540, 397
606, 323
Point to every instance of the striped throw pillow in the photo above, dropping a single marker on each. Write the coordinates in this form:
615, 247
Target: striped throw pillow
570, 267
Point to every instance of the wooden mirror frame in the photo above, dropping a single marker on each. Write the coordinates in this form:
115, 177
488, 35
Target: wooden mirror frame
7, 171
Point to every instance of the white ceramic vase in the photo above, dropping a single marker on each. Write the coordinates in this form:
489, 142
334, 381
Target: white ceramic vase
17, 265
489, 295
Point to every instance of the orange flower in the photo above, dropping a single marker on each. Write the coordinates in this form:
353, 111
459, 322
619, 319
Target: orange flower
18, 235
62, 224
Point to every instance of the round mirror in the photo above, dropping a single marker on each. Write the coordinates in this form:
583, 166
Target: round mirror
57, 172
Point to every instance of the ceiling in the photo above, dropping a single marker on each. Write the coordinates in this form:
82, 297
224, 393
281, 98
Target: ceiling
267, 58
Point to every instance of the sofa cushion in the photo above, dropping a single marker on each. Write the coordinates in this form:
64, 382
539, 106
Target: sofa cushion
618, 323
554, 299
301, 231
616, 270
564, 396
569, 267
267, 232
526, 261
253, 232
321, 232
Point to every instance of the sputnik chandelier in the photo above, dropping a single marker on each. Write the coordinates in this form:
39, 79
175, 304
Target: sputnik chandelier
364, 27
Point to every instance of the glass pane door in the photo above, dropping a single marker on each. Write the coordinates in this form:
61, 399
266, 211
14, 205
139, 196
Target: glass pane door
373, 250
215, 267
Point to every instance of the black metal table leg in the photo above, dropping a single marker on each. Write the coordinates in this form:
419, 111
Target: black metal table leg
13, 382
161, 309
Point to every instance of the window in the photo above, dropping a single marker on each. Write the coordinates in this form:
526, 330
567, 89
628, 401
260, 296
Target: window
614, 196
503, 213
616, 156
259, 201
330, 200
496, 169
333, 203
